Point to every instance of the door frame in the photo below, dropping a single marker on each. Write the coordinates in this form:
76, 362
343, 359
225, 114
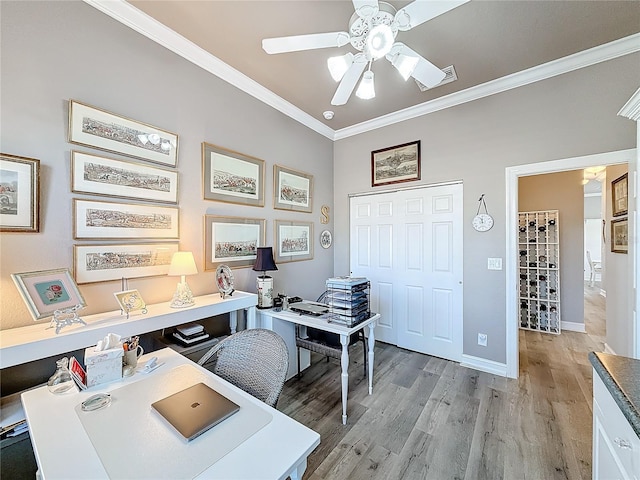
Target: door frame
512, 174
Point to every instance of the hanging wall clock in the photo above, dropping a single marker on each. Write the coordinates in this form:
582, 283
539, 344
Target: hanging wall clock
482, 222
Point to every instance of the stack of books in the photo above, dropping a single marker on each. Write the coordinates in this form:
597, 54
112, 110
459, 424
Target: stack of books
348, 300
190, 334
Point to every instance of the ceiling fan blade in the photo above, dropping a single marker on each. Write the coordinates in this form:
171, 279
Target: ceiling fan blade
420, 11
312, 41
424, 71
348, 83
366, 8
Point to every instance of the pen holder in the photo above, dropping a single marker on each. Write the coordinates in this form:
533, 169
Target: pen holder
131, 356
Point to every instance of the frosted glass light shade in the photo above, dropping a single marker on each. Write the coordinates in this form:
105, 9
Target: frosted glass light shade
366, 89
338, 66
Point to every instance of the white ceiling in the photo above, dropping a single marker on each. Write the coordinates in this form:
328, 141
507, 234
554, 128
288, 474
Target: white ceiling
493, 45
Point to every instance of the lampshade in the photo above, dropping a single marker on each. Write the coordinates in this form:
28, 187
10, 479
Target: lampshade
405, 65
366, 89
264, 260
182, 263
338, 66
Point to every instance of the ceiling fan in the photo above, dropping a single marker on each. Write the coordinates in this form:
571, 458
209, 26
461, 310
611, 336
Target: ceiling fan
372, 31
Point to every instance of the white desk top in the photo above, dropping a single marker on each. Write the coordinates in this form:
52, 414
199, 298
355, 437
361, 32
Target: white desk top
26, 344
321, 322
63, 449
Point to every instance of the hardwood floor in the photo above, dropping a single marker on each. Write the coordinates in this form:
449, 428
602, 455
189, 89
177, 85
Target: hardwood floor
430, 418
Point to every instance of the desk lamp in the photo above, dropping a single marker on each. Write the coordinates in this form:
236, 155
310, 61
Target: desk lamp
264, 263
182, 263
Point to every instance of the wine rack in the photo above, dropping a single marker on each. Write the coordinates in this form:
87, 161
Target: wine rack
539, 270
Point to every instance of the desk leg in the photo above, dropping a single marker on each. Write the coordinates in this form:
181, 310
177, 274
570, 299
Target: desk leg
251, 318
372, 342
344, 340
299, 469
233, 321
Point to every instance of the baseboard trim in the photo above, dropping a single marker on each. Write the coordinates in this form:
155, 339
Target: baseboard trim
608, 349
573, 327
484, 365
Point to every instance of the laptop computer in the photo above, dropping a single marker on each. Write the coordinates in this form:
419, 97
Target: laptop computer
308, 308
195, 410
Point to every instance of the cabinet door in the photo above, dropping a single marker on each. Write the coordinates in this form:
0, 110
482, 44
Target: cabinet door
605, 463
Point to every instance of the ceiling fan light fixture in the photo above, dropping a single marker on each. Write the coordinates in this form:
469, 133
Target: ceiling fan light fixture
405, 65
379, 41
366, 89
339, 65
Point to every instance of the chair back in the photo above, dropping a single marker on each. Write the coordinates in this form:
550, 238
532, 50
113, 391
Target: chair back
254, 360
589, 259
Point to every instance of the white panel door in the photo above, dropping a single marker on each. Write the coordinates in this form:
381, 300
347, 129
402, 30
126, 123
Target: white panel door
409, 245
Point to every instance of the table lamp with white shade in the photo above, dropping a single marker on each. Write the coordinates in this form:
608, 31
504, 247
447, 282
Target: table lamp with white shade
182, 263
264, 263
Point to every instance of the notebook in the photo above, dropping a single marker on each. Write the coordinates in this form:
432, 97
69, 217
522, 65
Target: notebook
195, 410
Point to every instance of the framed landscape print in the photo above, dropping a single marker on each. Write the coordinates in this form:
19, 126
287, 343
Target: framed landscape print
116, 178
620, 236
294, 241
109, 220
46, 291
619, 195
232, 240
98, 128
101, 263
395, 164
292, 190
231, 176
19, 194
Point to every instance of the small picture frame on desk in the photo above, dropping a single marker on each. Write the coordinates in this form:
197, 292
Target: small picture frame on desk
130, 301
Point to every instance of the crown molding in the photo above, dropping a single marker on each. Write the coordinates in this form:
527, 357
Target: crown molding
586, 58
142, 23
139, 21
631, 109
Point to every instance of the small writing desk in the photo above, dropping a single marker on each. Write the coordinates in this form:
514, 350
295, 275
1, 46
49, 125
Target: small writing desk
322, 323
63, 448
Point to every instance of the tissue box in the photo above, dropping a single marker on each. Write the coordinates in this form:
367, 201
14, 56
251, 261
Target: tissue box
104, 366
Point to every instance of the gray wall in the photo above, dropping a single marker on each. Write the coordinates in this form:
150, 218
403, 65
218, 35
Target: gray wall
563, 192
56, 51
620, 336
593, 207
567, 116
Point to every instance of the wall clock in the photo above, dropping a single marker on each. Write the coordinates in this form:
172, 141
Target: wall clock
482, 222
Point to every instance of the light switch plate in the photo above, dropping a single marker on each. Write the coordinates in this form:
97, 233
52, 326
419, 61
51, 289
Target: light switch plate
494, 263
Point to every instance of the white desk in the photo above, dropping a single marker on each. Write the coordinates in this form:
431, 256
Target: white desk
321, 323
26, 344
63, 449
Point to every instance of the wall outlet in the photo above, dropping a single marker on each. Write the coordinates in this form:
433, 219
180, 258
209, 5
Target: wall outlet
482, 339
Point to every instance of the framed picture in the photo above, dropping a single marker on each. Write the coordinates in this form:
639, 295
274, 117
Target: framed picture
620, 235
108, 220
46, 291
619, 195
292, 190
231, 176
101, 263
98, 128
130, 301
294, 241
232, 241
19, 194
116, 178
395, 164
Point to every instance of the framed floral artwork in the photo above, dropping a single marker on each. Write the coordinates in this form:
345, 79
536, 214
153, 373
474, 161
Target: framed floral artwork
46, 291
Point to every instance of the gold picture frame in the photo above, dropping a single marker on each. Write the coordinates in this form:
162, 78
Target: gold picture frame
232, 177
294, 241
19, 194
292, 190
232, 241
620, 235
620, 196
97, 128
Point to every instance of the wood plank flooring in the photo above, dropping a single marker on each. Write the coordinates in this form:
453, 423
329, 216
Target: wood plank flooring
430, 418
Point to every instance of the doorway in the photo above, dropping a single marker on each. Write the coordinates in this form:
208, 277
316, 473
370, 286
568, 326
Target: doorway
512, 176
